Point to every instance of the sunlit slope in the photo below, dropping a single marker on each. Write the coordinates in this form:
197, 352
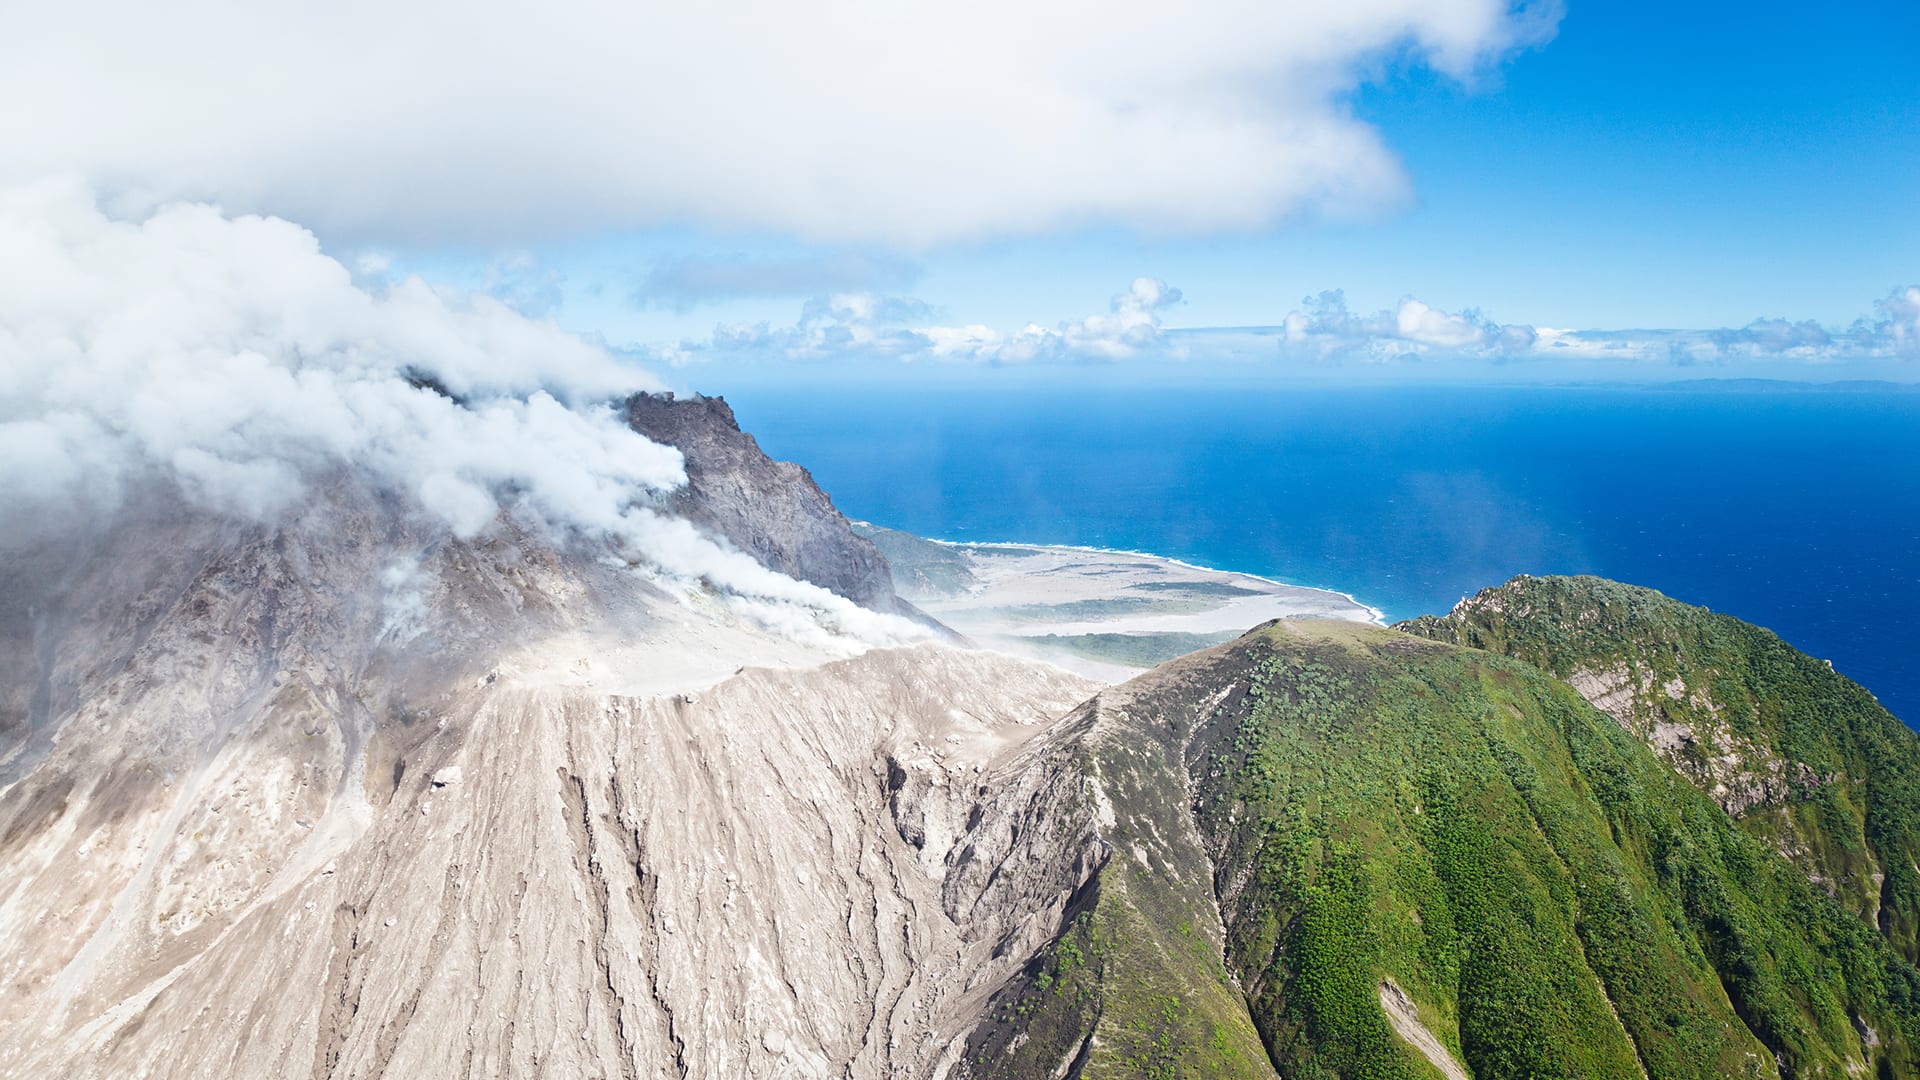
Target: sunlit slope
1805, 758
1423, 860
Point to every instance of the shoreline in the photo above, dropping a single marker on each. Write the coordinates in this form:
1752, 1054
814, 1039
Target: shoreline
1376, 615
1104, 612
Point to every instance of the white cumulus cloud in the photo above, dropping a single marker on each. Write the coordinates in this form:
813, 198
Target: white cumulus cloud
898, 123
1131, 325
1897, 330
867, 325
1326, 327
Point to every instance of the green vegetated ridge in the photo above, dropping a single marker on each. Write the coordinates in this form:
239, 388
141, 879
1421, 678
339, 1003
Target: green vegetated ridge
920, 567
1134, 985
1143, 649
1806, 759
1343, 851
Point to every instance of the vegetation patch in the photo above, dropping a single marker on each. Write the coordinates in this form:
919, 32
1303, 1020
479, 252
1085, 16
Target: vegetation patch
1132, 650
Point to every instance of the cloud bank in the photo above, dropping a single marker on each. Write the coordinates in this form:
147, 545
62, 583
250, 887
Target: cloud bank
866, 325
1891, 333
231, 361
1326, 328
1324, 334
1131, 325
904, 124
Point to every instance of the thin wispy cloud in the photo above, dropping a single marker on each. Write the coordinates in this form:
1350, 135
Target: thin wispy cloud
525, 284
688, 281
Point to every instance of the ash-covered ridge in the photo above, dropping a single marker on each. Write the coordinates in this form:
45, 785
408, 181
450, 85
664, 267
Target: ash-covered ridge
345, 795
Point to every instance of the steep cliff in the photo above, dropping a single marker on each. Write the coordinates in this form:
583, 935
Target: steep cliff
772, 510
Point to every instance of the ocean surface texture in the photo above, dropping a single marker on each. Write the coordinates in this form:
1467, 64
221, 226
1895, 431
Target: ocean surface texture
1795, 509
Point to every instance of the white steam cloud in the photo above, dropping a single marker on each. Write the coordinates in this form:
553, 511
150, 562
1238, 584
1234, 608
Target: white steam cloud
231, 359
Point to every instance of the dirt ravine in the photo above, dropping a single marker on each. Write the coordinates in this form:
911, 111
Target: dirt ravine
1405, 1019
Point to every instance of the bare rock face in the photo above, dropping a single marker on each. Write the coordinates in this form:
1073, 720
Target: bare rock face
769, 509
1636, 671
1690, 732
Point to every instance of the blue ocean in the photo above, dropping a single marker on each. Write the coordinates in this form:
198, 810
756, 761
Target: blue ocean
1797, 509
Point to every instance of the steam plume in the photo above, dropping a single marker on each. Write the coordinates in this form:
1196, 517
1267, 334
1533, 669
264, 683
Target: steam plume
232, 360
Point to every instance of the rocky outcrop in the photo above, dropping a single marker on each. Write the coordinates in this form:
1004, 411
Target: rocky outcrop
769, 509
1690, 732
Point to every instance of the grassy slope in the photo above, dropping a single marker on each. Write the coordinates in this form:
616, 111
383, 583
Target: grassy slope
1555, 900
1849, 810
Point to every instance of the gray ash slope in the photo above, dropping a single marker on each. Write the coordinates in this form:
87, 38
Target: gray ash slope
492, 807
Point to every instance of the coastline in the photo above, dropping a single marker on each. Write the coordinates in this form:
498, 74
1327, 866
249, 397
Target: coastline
1102, 612
1375, 615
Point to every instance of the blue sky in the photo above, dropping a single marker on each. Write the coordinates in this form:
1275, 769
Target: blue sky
724, 189
1649, 166
1665, 165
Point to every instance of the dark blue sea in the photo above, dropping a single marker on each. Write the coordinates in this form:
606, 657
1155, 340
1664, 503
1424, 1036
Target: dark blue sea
1795, 509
